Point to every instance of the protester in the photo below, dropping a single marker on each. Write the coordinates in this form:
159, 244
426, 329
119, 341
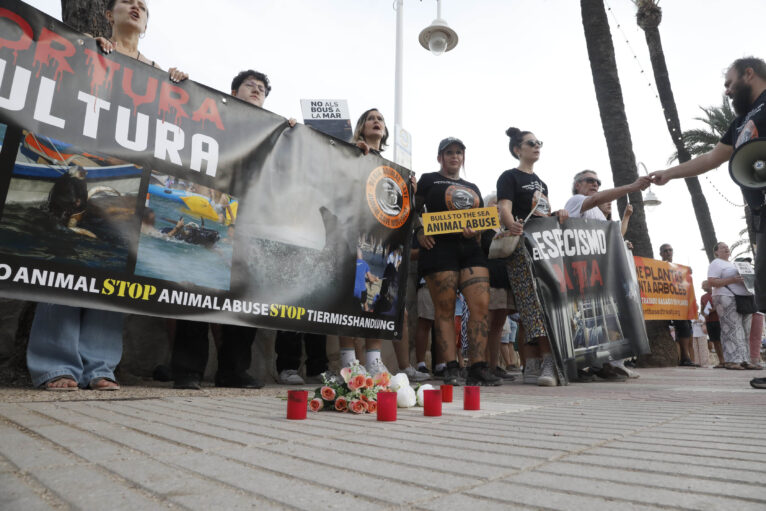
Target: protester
682, 327
735, 327
756, 334
700, 354
500, 299
452, 261
585, 203
425, 307
72, 347
190, 349
712, 325
288, 347
745, 85
371, 135
515, 193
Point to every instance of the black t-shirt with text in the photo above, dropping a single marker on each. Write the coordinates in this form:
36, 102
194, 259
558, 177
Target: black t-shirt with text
519, 187
743, 129
440, 193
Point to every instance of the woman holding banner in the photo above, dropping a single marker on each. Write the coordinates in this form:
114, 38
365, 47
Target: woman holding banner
735, 326
72, 347
452, 261
521, 193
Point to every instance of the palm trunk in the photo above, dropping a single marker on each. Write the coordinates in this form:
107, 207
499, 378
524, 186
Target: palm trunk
86, 16
613, 119
662, 79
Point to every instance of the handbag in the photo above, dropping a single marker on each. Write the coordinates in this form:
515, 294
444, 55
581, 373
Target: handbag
745, 303
501, 248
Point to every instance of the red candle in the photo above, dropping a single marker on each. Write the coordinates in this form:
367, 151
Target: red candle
387, 406
470, 398
432, 403
296, 404
446, 393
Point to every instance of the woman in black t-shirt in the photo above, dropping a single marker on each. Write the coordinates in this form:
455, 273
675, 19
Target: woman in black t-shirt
449, 261
516, 189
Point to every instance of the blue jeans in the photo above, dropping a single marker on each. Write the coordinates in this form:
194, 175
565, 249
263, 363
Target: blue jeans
84, 344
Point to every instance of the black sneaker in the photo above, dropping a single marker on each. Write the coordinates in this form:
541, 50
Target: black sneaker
758, 383
452, 374
238, 381
688, 363
480, 374
188, 381
439, 373
503, 374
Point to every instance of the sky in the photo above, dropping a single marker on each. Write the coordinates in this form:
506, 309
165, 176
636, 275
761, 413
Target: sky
519, 63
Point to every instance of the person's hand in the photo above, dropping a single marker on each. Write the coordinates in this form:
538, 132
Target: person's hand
180, 223
738, 280
427, 242
363, 146
642, 183
414, 184
105, 44
628, 211
468, 232
176, 75
515, 229
629, 245
563, 214
292, 122
659, 177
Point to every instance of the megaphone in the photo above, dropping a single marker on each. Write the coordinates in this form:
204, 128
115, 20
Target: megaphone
747, 165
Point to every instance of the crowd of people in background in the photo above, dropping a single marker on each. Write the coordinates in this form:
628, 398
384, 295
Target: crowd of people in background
484, 315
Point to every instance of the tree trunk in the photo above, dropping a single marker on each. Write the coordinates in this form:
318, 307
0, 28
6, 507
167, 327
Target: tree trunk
613, 119
662, 79
86, 16
623, 163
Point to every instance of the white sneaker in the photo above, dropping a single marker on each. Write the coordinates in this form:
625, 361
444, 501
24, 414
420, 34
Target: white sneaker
547, 376
531, 370
620, 368
290, 377
377, 367
415, 375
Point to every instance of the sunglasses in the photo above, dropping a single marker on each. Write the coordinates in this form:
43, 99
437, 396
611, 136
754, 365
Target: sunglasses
534, 143
591, 180
668, 250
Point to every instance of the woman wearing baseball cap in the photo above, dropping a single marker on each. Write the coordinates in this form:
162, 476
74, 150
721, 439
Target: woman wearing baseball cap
455, 261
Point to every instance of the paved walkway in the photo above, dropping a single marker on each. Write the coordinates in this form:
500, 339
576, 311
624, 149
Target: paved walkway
674, 439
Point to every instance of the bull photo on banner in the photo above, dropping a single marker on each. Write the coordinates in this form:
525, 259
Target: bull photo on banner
587, 283
122, 190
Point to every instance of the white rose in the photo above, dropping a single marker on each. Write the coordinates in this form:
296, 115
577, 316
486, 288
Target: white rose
405, 397
399, 381
422, 388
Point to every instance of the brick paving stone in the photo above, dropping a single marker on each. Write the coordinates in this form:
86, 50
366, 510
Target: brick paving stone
552, 498
680, 482
16, 495
637, 493
696, 458
277, 487
670, 448
461, 502
618, 459
338, 471
22, 416
29, 453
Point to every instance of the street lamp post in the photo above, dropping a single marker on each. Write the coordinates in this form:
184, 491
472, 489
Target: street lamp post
437, 38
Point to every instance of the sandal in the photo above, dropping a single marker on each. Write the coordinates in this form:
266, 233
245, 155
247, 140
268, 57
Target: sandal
752, 367
733, 365
102, 383
49, 385
720, 366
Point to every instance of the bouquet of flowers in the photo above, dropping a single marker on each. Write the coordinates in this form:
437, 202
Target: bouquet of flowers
354, 390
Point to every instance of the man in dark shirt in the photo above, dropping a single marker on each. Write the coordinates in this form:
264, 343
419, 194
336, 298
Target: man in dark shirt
683, 327
745, 85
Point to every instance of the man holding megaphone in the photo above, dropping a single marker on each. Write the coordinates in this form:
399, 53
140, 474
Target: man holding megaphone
742, 144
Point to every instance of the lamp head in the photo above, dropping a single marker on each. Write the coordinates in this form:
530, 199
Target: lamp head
438, 37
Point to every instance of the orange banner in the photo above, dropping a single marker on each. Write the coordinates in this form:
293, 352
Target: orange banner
667, 291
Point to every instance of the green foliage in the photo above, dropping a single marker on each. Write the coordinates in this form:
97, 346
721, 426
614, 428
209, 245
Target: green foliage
717, 120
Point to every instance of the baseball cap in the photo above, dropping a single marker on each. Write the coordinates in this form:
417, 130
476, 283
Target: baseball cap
448, 142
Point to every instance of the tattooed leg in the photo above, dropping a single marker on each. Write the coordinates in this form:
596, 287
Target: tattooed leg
443, 288
474, 284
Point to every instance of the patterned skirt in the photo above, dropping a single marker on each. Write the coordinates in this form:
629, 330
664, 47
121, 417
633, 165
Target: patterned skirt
523, 287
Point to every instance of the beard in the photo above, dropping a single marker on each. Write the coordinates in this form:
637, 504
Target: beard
740, 100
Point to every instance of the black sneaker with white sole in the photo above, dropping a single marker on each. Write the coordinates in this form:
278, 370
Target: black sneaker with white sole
452, 374
480, 374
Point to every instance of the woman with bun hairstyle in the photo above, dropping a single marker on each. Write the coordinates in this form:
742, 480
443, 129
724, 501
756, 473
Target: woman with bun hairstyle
515, 192
452, 261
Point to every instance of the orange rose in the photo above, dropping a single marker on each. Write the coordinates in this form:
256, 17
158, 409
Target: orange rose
357, 406
341, 404
364, 398
372, 406
382, 379
359, 381
368, 382
315, 404
328, 394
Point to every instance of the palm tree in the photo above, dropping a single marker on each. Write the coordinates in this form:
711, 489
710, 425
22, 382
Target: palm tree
86, 16
649, 16
614, 122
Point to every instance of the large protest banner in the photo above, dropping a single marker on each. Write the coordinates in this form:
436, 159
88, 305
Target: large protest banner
125, 191
667, 291
587, 283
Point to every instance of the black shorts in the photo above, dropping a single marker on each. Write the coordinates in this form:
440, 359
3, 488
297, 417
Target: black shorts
713, 330
451, 255
683, 328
